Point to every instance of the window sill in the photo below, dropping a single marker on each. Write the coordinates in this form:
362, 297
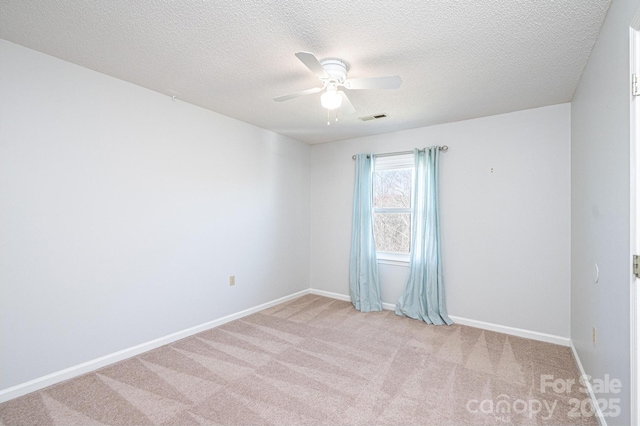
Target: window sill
396, 259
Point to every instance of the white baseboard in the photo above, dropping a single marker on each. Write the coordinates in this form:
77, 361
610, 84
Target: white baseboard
86, 367
513, 331
594, 400
331, 295
387, 306
549, 338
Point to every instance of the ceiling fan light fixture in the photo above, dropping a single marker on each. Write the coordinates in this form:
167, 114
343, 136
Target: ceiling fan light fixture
333, 74
331, 99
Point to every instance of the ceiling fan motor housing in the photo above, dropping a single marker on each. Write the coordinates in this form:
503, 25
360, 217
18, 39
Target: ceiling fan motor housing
336, 69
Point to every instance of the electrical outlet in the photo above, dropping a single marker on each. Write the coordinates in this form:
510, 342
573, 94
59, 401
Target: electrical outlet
595, 335
232, 280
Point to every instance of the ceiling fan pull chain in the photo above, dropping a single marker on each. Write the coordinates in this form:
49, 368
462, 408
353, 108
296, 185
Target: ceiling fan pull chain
328, 117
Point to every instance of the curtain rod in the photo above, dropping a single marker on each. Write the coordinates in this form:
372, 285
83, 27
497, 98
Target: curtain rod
443, 148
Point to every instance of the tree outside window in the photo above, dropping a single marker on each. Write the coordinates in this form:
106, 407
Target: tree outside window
392, 205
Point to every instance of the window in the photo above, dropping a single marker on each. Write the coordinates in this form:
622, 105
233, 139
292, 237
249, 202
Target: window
393, 207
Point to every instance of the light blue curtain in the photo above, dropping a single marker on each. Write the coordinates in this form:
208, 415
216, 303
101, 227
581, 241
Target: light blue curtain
423, 297
364, 285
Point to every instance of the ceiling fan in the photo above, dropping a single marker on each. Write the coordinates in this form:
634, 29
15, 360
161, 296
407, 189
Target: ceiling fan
333, 74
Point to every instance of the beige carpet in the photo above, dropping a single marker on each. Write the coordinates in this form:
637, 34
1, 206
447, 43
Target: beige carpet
313, 361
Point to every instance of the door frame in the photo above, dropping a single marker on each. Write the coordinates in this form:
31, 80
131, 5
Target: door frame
634, 240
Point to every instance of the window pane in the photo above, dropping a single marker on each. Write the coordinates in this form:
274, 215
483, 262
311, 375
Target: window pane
393, 232
392, 188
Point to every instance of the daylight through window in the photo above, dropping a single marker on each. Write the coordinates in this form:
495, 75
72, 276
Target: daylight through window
392, 203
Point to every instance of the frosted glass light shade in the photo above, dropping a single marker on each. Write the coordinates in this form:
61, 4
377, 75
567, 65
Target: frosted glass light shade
331, 99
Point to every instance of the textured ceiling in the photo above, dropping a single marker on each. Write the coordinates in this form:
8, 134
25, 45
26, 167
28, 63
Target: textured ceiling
457, 59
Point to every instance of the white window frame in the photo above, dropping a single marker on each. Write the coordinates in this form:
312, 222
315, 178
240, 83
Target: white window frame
404, 161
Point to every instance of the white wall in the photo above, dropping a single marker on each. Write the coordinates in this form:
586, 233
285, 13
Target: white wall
506, 235
123, 213
600, 205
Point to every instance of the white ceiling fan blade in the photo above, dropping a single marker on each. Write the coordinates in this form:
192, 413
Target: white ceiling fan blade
387, 82
346, 107
296, 94
310, 60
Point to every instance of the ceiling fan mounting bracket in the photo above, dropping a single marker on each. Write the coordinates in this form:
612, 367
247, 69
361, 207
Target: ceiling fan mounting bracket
336, 68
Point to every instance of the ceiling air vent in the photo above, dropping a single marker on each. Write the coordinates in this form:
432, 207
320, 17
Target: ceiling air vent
373, 117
